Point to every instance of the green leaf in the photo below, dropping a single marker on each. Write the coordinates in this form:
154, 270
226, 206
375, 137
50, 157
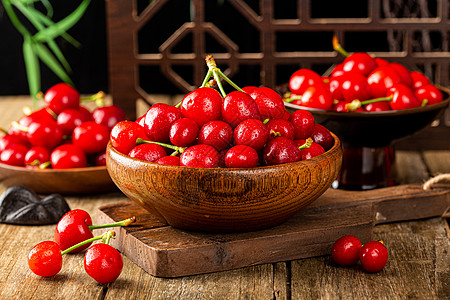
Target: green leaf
48, 59
32, 67
62, 26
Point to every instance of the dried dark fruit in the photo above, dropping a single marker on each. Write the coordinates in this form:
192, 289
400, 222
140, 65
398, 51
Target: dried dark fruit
21, 206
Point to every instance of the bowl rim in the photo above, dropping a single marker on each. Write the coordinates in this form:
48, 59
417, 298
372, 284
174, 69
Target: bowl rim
336, 148
389, 113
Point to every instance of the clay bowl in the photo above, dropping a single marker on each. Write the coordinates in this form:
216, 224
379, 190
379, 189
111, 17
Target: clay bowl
221, 199
377, 129
80, 181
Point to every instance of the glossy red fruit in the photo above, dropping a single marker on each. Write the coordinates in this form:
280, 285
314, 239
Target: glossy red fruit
334, 86
8, 140
237, 107
354, 86
169, 160
70, 118
322, 136
302, 79
45, 134
108, 115
202, 105
158, 120
270, 104
68, 156
251, 132
73, 228
103, 263
403, 72
280, 127
316, 96
124, 135
381, 79
313, 151
419, 79
360, 62
402, 97
381, 62
200, 156
241, 156
338, 70
377, 106
60, 97
374, 256
280, 151
36, 156
91, 137
148, 152
217, 134
184, 132
45, 259
303, 122
100, 159
14, 155
346, 250
429, 93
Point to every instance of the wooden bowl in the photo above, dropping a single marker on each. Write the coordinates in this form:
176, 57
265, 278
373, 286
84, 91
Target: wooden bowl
79, 181
222, 199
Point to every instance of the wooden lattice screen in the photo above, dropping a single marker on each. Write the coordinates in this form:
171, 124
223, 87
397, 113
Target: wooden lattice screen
415, 33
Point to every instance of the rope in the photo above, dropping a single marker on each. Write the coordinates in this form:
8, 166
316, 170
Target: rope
427, 185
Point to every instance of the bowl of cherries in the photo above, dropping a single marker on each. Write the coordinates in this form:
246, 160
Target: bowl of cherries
370, 104
60, 147
220, 162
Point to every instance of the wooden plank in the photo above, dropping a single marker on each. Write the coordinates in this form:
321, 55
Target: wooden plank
164, 251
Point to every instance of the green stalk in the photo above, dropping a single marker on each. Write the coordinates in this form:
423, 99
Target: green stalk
307, 144
125, 222
337, 47
207, 77
107, 235
176, 148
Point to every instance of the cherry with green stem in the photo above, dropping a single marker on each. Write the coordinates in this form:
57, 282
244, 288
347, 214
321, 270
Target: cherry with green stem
173, 147
355, 104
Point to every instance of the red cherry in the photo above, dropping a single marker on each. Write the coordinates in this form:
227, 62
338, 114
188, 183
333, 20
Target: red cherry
241, 156
381, 62
303, 122
124, 135
402, 97
103, 263
14, 155
316, 96
91, 137
36, 156
8, 140
108, 115
202, 105
419, 79
346, 250
73, 228
334, 86
302, 79
354, 86
183, 132
148, 152
169, 160
403, 72
251, 132
381, 79
44, 133
312, 151
280, 150
322, 136
280, 127
360, 62
158, 120
100, 159
374, 256
68, 156
338, 70
60, 97
217, 134
430, 93
200, 156
237, 107
70, 118
270, 104
45, 259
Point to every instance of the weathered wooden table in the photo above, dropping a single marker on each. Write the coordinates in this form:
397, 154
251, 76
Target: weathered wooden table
418, 266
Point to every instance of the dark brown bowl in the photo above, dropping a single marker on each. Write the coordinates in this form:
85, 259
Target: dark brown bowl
376, 129
222, 199
79, 181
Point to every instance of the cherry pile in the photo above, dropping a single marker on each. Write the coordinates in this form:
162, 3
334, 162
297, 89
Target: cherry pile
245, 128
348, 250
73, 234
63, 134
362, 83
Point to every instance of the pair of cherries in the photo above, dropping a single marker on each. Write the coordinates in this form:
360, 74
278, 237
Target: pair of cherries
73, 234
348, 250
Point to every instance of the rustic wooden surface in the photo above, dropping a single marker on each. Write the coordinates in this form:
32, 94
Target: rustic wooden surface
418, 267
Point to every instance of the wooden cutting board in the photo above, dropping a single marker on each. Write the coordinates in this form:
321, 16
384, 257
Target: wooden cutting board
164, 251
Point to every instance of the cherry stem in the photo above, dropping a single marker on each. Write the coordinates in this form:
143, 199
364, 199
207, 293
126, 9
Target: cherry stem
176, 148
3, 130
217, 73
18, 126
307, 144
288, 98
207, 77
355, 104
45, 165
337, 47
97, 97
125, 222
424, 102
107, 235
